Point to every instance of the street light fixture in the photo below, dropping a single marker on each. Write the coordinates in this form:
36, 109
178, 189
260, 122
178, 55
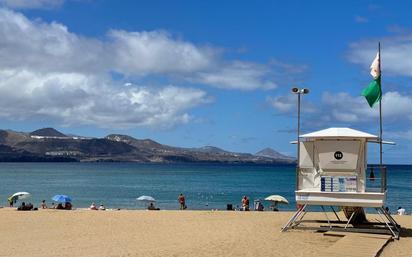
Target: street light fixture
299, 92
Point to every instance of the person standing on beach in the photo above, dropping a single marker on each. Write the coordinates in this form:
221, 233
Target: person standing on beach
11, 201
387, 210
245, 203
182, 201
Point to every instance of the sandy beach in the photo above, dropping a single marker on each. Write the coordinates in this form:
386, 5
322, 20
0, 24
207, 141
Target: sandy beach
165, 233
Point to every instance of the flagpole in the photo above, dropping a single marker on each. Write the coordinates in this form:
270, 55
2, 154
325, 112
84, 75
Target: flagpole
380, 108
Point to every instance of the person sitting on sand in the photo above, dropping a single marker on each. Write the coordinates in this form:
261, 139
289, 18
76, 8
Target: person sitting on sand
93, 207
59, 206
25, 207
22, 207
260, 207
274, 206
43, 204
152, 207
29, 207
68, 206
102, 208
401, 211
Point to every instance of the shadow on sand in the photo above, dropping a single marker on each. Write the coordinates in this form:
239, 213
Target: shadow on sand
406, 232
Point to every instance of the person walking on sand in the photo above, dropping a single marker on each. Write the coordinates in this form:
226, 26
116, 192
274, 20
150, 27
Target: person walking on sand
182, 201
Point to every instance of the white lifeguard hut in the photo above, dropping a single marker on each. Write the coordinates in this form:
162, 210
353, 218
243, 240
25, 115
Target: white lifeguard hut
332, 171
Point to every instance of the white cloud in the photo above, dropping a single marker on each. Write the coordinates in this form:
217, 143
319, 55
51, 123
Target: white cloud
394, 105
283, 104
396, 54
397, 105
32, 4
238, 75
76, 98
288, 104
52, 47
361, 19
47, 47
157, 52
49, 72
344, 109
404, 135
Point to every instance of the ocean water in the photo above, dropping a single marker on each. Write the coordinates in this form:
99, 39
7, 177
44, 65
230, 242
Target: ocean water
206, 186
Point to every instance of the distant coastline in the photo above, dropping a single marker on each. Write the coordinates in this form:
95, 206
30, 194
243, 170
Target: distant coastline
50, 145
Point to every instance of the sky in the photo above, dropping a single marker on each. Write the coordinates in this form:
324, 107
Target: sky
196, 73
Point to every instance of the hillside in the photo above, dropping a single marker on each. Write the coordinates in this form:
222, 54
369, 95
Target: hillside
47, 132
49, 144
270, 153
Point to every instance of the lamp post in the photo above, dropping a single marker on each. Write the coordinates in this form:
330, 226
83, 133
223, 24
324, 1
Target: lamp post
298, 92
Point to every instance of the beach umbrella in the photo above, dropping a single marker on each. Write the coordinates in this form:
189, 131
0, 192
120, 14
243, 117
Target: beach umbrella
277, 199
61, 198
20, 195
145, 198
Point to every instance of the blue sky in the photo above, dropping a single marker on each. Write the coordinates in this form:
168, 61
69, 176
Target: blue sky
195, 73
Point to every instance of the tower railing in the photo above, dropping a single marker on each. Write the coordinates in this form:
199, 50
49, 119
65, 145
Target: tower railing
376, 180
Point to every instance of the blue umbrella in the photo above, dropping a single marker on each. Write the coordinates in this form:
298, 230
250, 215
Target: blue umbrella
61, 198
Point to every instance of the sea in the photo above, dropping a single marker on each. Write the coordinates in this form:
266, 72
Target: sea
205, 186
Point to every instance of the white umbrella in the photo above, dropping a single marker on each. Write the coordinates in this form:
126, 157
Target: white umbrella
21, 195
145, 198
277, 199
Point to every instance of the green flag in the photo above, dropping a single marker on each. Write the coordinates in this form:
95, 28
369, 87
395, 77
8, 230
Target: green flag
373, 92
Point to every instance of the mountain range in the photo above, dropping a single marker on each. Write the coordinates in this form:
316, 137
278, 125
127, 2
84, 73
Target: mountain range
48, 144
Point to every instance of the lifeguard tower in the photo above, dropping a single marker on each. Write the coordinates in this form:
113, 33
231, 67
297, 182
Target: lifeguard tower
332, 172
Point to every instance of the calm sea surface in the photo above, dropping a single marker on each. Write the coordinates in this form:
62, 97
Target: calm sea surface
205, 186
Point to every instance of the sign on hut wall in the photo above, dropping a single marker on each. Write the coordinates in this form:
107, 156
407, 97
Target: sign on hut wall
338, 155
